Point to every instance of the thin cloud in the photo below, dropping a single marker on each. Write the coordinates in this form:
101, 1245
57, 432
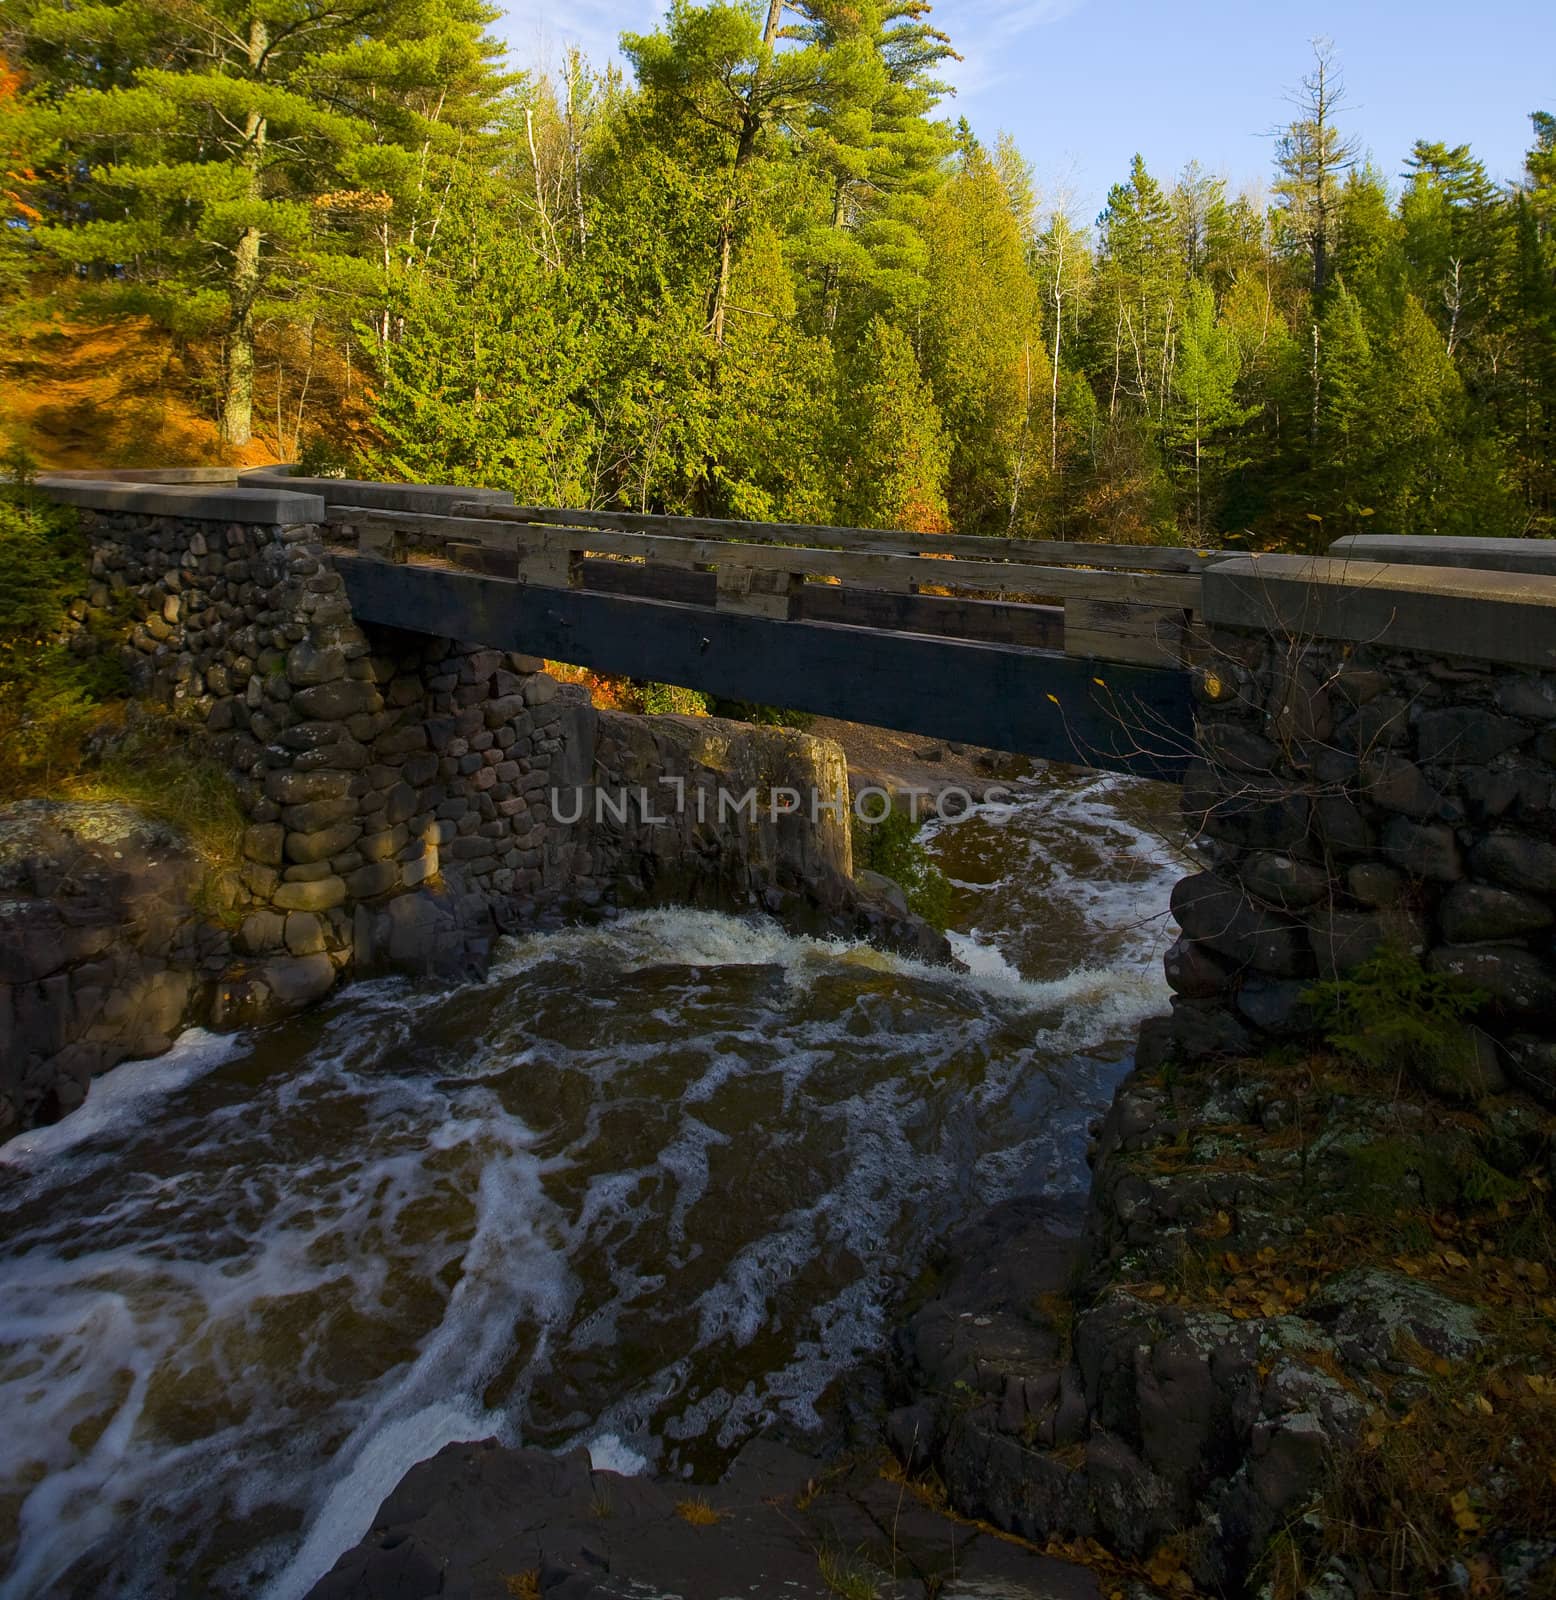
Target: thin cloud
538, 32
984, 30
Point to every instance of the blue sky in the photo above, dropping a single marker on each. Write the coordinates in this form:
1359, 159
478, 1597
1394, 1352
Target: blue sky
1083, 84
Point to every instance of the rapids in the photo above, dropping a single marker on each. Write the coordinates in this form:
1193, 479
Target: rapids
650, 1187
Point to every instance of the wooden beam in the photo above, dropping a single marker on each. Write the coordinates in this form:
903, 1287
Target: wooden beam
757, 592
991, 621
650, 581
1125, 719
1109, 631
873, 570
1061, 552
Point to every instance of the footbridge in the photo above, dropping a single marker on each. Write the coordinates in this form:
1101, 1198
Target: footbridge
1071, 652
1366, 740
1075, 652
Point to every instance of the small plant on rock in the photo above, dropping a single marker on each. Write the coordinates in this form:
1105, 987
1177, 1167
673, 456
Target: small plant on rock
698, 1512
1392, 1015
892, 847
846, 1576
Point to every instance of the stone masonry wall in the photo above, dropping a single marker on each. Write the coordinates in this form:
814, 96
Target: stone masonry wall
398, 790
367, 765
1350, 795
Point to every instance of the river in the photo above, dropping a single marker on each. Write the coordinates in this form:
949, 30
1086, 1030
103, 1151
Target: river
651, 1186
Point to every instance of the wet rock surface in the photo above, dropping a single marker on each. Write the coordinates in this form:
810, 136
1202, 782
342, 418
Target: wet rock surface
722, 815
479, 1520
103, 956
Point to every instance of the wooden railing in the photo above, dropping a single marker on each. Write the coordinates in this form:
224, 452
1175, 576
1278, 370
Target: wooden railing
1118, 603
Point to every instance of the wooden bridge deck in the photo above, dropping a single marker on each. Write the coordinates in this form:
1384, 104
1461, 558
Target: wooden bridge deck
1069, 652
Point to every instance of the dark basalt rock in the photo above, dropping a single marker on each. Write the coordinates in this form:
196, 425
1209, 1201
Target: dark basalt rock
1219, 914
103, 957
479, 1520
1474, 913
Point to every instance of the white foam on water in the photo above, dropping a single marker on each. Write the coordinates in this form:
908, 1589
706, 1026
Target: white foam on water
368, 1252
348, 1511
609, 1453
122, 1095
252, 1247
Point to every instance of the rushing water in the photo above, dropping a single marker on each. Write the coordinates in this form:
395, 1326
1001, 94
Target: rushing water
649, 1187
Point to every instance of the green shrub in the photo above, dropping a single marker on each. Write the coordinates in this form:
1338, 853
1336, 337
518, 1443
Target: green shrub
44, 559
1392, 1015
762, 716
670, 699
323, 458
892, 847
55, 675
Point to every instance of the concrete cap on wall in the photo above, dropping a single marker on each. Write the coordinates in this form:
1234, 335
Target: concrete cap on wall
1448, 550
433, 499
1506, 618
201, 502
149, 474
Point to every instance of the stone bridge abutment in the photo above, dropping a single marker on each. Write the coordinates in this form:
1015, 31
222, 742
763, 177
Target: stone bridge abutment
1375, 767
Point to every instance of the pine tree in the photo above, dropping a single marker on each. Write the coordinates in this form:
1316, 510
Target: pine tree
878, 149
718, 68
219, 167
1204, 401
1530, 326
1313, 158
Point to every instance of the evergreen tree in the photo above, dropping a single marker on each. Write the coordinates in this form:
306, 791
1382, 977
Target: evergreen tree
878, 149
1313, 157
1204, 401
1140, 272
719, 68
983, 347
891, 454
1368, 255
219, 166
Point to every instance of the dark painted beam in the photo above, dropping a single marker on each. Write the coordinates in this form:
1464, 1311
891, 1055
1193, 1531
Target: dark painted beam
991, 621
1042, 703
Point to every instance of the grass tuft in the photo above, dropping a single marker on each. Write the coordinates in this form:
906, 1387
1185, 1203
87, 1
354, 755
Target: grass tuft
697, 1512
846, 1576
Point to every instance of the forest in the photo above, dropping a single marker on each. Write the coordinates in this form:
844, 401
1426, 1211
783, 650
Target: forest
766, 273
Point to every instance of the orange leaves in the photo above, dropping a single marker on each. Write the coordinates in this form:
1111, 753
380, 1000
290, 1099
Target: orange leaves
1218, 1227
1464, 1518
1166, 1571
1261, 1285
